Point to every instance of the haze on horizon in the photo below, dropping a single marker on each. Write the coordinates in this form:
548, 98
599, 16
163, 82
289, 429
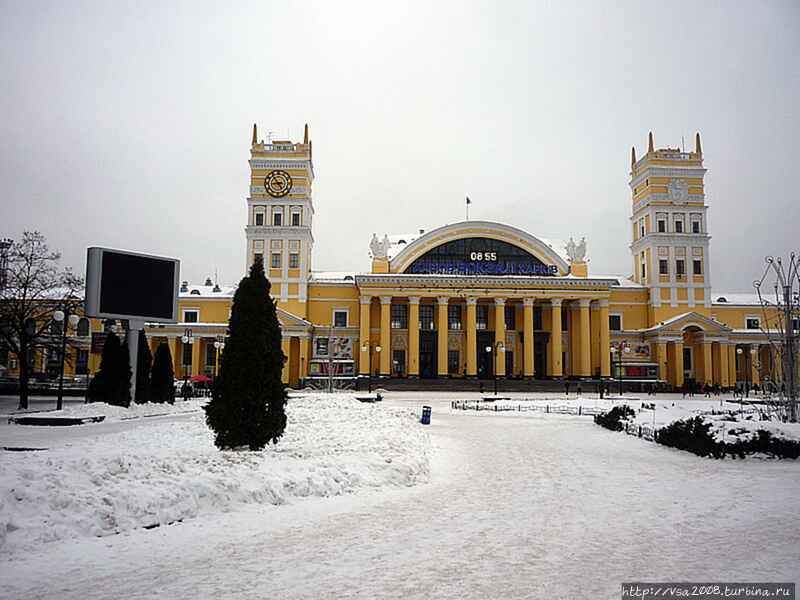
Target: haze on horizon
129, 125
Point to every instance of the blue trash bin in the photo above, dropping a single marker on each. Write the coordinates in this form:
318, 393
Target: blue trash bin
426, 415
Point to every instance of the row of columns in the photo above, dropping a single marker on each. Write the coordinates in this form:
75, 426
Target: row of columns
581, 340
716, 363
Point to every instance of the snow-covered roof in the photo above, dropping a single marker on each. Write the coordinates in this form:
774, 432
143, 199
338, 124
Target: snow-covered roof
736, 298
333, 276
622, 280
205, 291
399, 241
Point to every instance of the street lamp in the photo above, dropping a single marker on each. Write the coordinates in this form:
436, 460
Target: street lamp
369, 347
499, 347
65, 319
747, 368
219, 345
617, 352
187, 338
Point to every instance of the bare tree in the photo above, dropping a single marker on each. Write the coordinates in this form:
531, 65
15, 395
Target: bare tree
33, 288
781, 312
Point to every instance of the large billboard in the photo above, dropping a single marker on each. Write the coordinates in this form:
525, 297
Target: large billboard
130, 285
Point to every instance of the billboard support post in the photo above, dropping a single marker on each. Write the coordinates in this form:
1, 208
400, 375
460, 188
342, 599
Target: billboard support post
134, 327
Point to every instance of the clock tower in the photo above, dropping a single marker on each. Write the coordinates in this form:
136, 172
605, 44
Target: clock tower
279, 217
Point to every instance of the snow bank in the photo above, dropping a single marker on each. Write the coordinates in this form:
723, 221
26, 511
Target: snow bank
120, 413
160, 471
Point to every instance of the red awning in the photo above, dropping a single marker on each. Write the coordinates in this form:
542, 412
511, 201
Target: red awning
201, 378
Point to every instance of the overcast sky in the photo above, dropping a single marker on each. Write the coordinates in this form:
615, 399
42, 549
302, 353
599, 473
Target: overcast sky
129, 125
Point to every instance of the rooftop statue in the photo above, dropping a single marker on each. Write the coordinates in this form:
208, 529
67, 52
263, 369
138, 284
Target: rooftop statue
576, 252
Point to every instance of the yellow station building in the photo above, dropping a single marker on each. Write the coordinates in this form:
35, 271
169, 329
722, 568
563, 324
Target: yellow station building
484, 299
481, 299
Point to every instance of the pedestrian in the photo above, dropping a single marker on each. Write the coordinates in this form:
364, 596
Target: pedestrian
186, 389
566, 387
683, 390
580, 391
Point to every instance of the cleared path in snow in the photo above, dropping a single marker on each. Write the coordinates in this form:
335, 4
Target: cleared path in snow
534, 506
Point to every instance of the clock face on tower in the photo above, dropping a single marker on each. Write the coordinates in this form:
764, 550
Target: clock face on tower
278, 183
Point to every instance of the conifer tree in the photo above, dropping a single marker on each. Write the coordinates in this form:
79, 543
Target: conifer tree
248, 407
112, 384
162, 379
143, 363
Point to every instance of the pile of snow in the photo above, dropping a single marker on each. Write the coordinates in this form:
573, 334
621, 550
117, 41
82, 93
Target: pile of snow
120, 413
159, 471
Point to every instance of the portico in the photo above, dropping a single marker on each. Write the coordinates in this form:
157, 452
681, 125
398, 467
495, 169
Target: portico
429, 326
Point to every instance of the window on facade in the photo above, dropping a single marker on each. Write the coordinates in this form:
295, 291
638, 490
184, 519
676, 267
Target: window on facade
641, 230
191, 316
663, 267
258, 257
294, 260
55, 327
795, 325
399, 316
321, 346
295, 219
615, 322
678, 226
276, 261
277, 218
695, 226
259, 219
752, 323
537, 318
426, 317
698, 267
453, 362
340, 318
511, 317
454, 317
662, 226
482, 316
644, 270
680, 267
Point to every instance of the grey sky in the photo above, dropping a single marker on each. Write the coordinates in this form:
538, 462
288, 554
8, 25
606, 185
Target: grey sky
129, 125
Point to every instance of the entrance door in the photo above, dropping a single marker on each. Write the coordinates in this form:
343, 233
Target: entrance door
485, 360
427, 354
510, 363
540, 355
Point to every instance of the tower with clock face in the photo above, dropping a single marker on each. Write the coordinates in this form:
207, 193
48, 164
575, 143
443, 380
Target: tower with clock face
279, 217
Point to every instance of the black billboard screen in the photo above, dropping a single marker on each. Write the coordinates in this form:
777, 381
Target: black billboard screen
137, 285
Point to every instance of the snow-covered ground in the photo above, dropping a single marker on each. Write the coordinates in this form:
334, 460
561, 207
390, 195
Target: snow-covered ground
523, 505
168, 471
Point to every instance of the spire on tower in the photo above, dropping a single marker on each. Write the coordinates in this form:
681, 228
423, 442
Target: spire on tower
255, 134
305, 134
697, 148
650, 142
633, 155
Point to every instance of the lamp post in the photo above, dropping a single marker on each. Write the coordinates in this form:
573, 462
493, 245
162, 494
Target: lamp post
219, 345
747, 368
187, 338
617, 352
499, 347
369, 347
65, 319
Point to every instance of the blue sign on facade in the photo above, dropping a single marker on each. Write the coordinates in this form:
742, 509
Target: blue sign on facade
480, 256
